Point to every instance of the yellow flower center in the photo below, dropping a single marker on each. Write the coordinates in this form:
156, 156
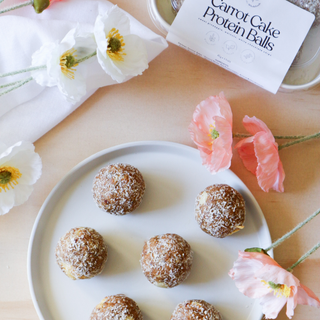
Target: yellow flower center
67, 62
213, 133
8, 177
115, 49
279, 290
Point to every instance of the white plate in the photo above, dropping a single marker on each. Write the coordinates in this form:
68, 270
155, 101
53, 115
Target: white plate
174, 176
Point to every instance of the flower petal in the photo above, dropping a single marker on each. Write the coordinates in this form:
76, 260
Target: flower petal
221, 147
213, 113
307, 297
114, 18
6, 201
254, 125
39, 58
22, 157
22, 193
271, 305
136, 59
243, 272
277, 275
225, 108
247, 154
292, 302
200, 137
270, 173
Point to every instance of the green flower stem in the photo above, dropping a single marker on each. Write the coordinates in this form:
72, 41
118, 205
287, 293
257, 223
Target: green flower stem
23, 4
22, 71
246, 135
1, 1
290, 233
86, 57
305, 256
10, 84
306, 138
20, 84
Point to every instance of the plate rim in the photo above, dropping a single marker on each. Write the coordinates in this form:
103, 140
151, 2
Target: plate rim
87, 160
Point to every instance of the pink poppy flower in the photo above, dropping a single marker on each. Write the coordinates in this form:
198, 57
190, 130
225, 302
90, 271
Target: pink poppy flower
260, 155
260, 277
211, 131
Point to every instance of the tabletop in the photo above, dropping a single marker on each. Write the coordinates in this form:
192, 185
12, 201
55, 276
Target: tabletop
159, 106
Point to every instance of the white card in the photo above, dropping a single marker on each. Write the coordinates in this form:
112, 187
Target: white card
255, 39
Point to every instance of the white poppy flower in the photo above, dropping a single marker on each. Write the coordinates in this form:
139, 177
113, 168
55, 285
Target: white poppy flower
119, 53
63, 70
20, 168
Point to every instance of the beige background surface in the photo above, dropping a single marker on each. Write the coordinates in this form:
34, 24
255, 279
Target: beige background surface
158, 106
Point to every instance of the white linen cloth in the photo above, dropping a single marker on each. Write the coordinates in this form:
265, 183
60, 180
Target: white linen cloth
30, 111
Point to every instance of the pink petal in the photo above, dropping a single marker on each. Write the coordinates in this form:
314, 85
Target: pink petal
270, 173
277, 275
292, 302
205, 111
214, 112
307, 297
221, 147
263, 258
243, 273
199, 137
246, 152
225, 108
271, 305
254, 125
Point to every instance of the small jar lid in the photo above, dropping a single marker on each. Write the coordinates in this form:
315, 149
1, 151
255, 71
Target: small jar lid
161, 13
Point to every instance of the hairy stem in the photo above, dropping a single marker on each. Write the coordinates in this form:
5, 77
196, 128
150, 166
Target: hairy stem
306, 138
20, 84
10, 84
86, 57
247, 135
290, 233
22, 71
305, 256
23, 4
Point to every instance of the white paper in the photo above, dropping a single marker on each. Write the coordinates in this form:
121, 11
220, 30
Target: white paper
255, 39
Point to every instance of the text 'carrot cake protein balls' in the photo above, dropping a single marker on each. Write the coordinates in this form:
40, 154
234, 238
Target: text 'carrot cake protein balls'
118, 188
166, 260
117, 307
195, 309
81, 253
220, 210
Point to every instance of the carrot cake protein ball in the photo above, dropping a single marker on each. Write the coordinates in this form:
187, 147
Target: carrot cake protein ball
81, 253
117, 307
118, 188
195, 310
220, 210
166, 260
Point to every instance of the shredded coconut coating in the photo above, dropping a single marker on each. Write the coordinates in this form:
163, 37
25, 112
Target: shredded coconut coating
195, 310
118, 188
220, 210
117, 307
312, 6
81, 253
166, 260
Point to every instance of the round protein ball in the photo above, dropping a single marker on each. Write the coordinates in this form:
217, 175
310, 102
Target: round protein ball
81, 253
195, 310
118, 188
166, 260
117, 307
220, 210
